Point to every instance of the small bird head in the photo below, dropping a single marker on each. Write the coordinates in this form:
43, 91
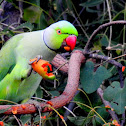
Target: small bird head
60, 35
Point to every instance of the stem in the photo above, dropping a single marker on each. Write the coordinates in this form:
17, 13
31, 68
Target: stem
91, 109
86, 96
78, 17
69, 111
110, 19
58, 114
17, 121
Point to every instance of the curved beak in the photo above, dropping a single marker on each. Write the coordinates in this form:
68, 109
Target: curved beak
70, 43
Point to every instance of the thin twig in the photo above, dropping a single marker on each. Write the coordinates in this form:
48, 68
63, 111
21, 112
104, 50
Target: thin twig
112, 113
69, 111
39, 99
78, 21
60, 67
39, 110
60, 2
109, 58
110, 19
101, 27
17, 120
79, 15
7, 26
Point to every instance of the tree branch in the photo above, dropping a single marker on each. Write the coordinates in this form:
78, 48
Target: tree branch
76, 59
59, 61
90, 42
112, 113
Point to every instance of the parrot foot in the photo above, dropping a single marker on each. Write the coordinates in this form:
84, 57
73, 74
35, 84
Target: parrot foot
36, 104
30, 63
42, 67
38, 58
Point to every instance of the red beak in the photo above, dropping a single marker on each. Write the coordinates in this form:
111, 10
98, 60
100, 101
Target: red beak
71, 42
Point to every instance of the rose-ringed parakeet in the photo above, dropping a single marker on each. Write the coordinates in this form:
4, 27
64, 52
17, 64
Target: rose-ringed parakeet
15, 84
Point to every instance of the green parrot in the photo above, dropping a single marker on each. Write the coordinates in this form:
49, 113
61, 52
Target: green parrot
15, 84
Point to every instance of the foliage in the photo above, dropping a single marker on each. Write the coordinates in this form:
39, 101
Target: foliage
88, 77
86, 15
117, 96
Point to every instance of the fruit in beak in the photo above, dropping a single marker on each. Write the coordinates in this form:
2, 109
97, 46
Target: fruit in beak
70, 42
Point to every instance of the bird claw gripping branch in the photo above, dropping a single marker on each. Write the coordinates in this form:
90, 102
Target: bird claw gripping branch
41, 67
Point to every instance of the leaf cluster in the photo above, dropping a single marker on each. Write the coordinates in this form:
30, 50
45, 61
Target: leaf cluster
19, 16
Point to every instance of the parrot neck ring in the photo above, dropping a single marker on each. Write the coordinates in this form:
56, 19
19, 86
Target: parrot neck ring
56, 50
46, 43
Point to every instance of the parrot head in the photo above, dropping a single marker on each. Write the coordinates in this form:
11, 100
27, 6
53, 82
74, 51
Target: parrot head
61, 35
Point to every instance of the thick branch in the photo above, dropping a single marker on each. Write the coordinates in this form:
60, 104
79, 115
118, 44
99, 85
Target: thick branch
76, 59
60, 61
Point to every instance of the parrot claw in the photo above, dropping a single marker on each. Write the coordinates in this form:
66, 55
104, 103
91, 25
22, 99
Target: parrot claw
36, 104
29, 72
30, 62
34, 72
38, 58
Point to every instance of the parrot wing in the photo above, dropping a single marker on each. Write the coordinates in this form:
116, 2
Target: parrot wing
7, 56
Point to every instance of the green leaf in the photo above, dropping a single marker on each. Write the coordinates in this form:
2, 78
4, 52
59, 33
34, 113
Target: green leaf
91, 10
34, 2
39, 93
25, 118
91, 3
91, 80
94, 100
104, 41
54, 93
117, 96
43, 23
32, 14
97, 46
80, 97
79, 120
11, 1
27, 25
110, 91
103, 113
118, 51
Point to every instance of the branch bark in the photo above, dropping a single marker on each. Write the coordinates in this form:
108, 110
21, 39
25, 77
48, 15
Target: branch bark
59, 61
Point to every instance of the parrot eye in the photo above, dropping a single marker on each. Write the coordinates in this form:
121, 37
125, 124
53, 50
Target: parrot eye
58, 31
